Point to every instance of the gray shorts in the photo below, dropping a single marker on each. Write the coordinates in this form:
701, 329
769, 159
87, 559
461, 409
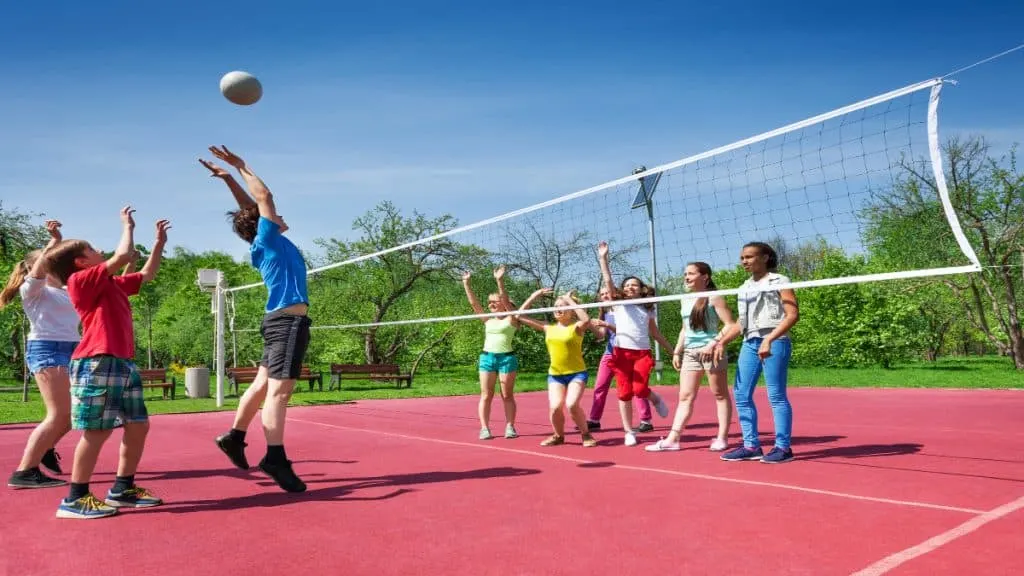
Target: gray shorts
693, 363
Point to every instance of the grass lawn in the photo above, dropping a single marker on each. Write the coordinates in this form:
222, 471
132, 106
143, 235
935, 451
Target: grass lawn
988, 372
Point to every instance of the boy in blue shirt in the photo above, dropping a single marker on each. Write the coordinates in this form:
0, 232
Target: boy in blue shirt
285, 327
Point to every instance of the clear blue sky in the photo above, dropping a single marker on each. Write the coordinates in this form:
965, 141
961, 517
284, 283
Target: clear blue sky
471, 108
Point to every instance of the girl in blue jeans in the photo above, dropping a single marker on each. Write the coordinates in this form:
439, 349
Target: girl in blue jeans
765, 317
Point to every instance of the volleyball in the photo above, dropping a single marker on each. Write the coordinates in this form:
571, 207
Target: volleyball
241, 88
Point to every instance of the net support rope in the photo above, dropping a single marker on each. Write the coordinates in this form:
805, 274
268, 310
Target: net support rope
934, 84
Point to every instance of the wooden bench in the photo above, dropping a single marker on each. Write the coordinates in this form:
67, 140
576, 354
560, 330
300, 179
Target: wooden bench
245, 375
390, 372
157, 378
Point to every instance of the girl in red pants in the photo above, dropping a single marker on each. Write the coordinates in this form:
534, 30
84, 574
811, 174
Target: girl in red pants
635, 325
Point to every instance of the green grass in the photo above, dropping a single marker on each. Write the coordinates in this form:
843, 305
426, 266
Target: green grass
988, 372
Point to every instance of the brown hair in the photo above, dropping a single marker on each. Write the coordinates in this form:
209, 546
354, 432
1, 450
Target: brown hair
244, 222
603, 310
698, 315
17, 278
61, 258
645, 290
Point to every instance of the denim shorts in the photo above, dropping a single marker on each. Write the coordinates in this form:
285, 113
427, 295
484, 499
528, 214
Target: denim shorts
566, 379
42, 354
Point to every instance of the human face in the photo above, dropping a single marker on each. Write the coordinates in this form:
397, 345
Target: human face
494, 303
631, 289
753, 261
605, 295
695, 281
563, 317
89, 258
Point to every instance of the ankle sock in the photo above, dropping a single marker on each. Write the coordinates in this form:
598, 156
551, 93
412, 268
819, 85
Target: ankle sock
275, 454
77, 491
237, 435
122, 483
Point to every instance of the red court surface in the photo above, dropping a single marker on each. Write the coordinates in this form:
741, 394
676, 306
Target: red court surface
885, 482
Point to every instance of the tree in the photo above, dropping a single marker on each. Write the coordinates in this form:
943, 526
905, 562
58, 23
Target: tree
370, 290
908, 226
18, 236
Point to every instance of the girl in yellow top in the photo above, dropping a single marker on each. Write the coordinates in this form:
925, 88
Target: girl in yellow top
498, 362
567, 374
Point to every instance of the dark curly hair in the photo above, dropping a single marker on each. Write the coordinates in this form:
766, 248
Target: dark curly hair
244, 221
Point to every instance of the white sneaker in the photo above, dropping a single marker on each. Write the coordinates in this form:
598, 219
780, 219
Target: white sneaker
659, 404
718, 445
662, 446
630, 439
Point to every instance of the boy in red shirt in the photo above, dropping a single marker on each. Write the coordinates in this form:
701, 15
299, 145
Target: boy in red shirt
105, 385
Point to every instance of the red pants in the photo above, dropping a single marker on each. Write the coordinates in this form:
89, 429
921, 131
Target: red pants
632, 370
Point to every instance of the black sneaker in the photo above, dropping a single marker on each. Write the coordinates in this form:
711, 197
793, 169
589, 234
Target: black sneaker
234, 449
52, 461
644, 426
33, 478
283, 475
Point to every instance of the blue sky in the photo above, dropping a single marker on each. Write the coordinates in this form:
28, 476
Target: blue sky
472, 109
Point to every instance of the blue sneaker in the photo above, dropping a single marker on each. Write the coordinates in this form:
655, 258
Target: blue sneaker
778, 456
86, 508
133, 497
743, 453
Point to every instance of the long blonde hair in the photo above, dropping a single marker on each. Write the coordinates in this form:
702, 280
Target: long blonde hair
17, 278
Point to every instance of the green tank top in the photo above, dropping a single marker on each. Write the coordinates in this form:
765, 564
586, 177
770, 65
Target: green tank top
700, 339
498, 333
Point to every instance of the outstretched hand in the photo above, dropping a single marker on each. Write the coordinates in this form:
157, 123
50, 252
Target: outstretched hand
161, 230
228, 156
215, 170
126, 216
602, 249
53, 229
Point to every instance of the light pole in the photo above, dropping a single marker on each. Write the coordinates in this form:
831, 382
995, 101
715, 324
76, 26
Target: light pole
645, 198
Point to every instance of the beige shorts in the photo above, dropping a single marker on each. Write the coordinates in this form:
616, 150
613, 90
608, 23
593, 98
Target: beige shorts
693, 363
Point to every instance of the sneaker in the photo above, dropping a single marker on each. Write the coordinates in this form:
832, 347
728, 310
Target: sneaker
33, 478
662, 446
553, 440
510, 431
593, 425
485, 434
778, 456
659, 405
52, 461
283, 475
718, 445
644, 426
87, 507
588, 441
743, 453
234, 449
134, 497
630, 439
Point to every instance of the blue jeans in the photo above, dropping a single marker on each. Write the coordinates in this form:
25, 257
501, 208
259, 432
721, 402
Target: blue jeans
748, 370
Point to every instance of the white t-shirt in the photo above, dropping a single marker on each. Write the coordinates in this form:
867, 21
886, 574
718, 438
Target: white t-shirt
632, 327
50, 312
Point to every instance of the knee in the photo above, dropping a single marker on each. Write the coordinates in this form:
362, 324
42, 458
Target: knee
777, 396
686, 398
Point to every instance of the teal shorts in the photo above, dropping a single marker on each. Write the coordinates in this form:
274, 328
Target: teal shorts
106, 392
501, 362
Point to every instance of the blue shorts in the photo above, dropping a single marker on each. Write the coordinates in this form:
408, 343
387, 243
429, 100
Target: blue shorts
43, 354
566, 379
503, 362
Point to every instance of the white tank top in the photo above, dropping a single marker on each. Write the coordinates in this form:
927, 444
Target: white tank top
632, 327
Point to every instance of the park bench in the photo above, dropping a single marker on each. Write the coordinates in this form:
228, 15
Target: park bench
372, 372
245, 375
157, 378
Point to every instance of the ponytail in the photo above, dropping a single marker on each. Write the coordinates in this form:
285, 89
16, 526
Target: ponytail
14, 283
698, 314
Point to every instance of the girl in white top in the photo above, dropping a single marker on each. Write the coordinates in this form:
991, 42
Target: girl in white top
51, 341
635, 325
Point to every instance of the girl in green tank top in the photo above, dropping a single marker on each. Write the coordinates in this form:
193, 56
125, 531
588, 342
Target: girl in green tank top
498, 362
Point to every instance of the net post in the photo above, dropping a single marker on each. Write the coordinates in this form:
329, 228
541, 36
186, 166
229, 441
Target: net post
219, 296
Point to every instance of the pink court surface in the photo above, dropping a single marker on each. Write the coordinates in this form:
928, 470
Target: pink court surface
885, 482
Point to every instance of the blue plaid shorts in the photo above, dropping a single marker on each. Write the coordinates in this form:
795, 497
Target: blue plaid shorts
106, 392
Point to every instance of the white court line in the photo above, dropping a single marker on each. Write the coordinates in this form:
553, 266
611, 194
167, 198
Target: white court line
657, 470
974, 524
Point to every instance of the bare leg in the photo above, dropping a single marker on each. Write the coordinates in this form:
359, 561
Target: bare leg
487, 381
86, 454
688, 387
573, 397
278, 393
132, 445
556, 403
508, 384
723, 401
252, 398
55, 388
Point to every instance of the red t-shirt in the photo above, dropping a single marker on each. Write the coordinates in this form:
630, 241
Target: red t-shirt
101, 301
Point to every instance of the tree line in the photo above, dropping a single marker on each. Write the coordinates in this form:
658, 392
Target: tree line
842, 326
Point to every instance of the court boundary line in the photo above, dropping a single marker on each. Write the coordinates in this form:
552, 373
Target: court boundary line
932, 544
694, 475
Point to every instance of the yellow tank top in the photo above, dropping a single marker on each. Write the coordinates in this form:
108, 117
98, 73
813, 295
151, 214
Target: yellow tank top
565, 347
498, 333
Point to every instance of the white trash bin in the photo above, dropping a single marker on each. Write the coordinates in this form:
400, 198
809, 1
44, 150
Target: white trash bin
197, 382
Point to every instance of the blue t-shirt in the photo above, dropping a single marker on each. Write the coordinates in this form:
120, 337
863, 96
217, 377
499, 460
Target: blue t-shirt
280, 264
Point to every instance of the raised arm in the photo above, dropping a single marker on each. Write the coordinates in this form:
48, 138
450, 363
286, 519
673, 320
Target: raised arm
39, 266
652, 326
130, 267
123, 252
523, 319
156, 254
477, 308
499, 279
241, 196
606, 271
260, 192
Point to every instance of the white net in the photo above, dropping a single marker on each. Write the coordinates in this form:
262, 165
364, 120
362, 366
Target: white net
811, 183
